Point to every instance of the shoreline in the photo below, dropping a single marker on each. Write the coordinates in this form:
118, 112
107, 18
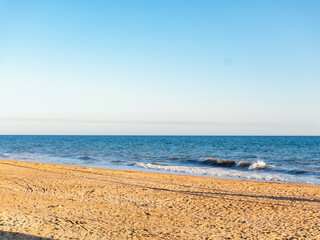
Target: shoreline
162, 171
61, 201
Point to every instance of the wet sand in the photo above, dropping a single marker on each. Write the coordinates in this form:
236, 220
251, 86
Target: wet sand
64, 202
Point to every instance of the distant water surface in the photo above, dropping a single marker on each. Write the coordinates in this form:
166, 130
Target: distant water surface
276, 159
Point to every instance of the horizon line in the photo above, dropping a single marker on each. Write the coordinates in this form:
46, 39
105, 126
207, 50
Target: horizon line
167, 135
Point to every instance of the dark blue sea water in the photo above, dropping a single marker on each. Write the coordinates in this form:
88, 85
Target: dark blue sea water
277, 159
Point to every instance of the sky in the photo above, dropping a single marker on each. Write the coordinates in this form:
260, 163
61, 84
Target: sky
169, 67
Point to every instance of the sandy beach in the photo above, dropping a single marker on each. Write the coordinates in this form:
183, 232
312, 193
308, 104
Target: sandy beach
65, 202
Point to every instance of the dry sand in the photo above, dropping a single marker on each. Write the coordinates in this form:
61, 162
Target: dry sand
64, 202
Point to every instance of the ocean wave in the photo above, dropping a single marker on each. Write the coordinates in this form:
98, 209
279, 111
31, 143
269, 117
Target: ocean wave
5, 155
231, 163
13, 156
297, 171
85, 157
217, 172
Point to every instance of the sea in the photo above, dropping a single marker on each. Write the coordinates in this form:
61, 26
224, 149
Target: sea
291, 159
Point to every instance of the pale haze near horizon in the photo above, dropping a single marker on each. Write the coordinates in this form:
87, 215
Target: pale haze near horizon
160, 67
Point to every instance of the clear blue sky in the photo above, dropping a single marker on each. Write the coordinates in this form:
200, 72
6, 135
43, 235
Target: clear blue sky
160, 67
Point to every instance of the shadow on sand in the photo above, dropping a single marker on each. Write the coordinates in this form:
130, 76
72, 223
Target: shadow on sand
13, 235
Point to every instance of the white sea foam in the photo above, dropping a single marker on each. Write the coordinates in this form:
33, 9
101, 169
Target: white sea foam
258, 165
18, 157
218, 172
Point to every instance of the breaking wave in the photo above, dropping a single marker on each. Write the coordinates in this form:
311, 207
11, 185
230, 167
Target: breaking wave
216, 172
231, 163
233, 173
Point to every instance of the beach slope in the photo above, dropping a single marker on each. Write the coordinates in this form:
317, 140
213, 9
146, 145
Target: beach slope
66, 202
